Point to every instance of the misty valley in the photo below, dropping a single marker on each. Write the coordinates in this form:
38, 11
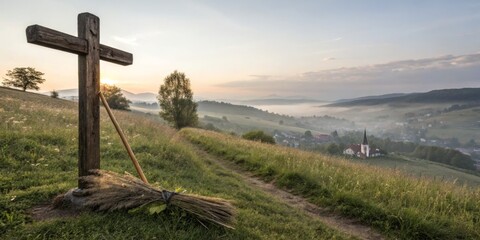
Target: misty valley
412, 130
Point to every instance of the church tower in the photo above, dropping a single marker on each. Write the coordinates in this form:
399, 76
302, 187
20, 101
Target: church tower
364, 146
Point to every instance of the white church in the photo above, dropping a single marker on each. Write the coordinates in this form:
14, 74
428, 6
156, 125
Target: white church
362, 150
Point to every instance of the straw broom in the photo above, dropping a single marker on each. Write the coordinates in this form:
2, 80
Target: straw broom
109, 191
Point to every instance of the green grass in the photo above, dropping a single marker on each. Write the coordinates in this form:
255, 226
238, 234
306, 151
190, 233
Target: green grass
423, 168
402, 206
38, 160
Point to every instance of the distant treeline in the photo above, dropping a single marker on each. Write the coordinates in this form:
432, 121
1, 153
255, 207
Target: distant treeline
456, 107
444, 155
153, 105
432, 153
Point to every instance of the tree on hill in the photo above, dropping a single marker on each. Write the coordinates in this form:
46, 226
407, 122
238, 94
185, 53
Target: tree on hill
176, 101
334, 134
24, 78
54, 94
115, 98
308, 134
259, 136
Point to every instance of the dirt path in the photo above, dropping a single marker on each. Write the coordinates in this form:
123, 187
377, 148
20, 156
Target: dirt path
335, 221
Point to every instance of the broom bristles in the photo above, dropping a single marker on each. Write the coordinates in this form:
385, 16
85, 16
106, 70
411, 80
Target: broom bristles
109, 191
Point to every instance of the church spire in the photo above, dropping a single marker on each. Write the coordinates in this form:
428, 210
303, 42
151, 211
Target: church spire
365, 141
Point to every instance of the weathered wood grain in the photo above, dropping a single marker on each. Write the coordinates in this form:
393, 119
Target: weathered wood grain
90, 51
47, 37
114, 55
88, 88
57, 40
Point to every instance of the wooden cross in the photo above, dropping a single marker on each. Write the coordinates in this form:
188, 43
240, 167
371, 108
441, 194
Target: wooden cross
90, 52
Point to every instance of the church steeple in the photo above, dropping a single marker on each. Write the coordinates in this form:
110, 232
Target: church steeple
365, 141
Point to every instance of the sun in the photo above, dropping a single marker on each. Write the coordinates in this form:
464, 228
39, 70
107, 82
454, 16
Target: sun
108, 81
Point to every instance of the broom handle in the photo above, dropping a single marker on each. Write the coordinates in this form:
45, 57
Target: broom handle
124, 139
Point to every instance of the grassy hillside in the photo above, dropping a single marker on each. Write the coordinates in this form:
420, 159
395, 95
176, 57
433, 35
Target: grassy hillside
463, 124
399, 205
424, 168
38, 154
435, 96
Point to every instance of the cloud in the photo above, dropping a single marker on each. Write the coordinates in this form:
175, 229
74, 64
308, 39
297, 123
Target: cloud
333, 40
262, 76
135, 38
400, 76
329, 59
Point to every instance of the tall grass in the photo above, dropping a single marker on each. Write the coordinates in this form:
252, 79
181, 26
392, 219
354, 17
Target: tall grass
400, 205
38, 160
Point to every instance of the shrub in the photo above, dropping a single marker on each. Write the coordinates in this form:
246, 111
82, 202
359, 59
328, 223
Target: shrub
259, 136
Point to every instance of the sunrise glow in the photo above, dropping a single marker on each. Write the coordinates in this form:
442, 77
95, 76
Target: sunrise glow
108, 81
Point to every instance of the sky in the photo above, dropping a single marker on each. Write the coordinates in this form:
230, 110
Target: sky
324, 49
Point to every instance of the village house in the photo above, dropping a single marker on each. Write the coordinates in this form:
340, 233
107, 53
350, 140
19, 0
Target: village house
362, 150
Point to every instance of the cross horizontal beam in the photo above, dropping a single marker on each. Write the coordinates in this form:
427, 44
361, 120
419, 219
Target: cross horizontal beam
47, 37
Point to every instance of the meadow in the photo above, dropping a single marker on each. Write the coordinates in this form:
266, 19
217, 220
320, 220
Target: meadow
463, 124
38, 160
399, 205
423, 168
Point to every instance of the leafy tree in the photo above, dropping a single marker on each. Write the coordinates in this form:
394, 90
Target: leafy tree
115, 98
334, 134
24, 78
176, 101
54, 94
308, 134
259, 136
333, 148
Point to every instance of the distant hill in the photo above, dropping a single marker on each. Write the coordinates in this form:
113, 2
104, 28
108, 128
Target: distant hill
277, 101
228, 108
461, 95
140, 97
134, 97
391, 95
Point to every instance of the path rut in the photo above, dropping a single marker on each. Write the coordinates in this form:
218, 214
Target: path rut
349, 226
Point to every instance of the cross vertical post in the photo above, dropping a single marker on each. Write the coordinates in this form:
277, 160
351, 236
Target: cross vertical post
88, 88
90, 52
